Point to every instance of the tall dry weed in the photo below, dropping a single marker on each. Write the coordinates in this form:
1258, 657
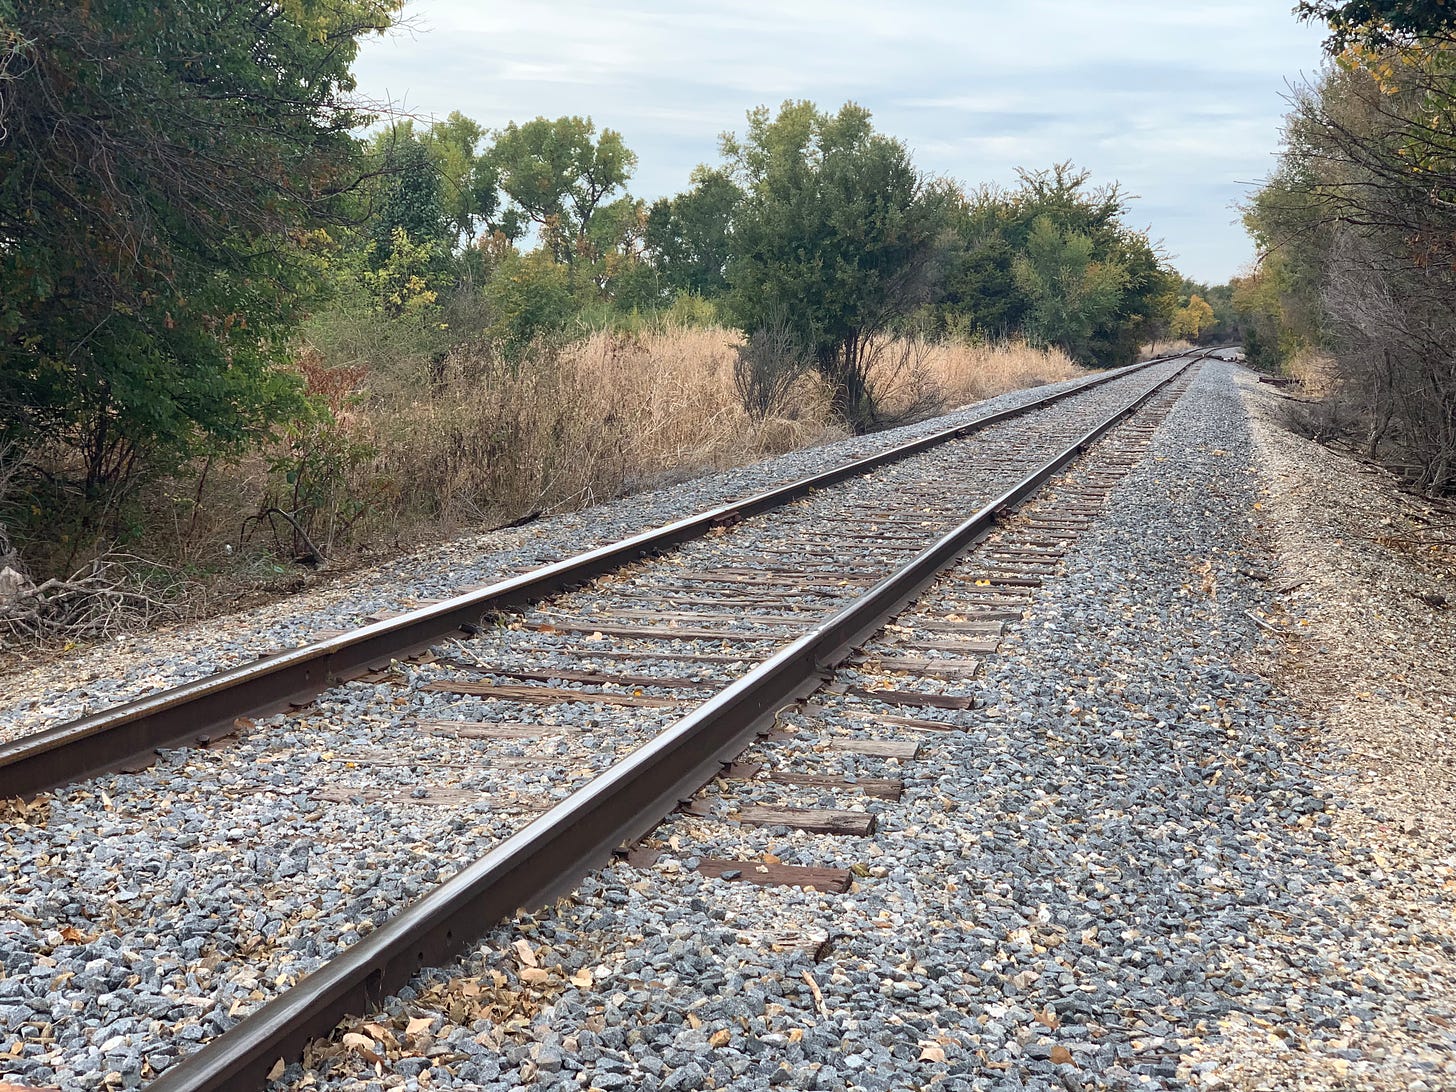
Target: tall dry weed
961, 372
1165, 348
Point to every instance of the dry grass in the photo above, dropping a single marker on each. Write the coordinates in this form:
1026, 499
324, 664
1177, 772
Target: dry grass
1316, 373
970, 372
615, 412
1165, 348
423, 452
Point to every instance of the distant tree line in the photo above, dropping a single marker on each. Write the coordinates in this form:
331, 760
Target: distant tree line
181, 187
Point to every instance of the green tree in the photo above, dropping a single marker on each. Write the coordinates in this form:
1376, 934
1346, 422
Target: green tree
1070, 294
688, 236
468, 182
159, 164
558, 175
409, 205
1379, 24
837, 230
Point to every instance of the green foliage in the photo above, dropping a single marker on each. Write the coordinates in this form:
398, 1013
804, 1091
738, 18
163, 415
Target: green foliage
529, 298
688, 236
400, 284
837, 229
468, 182
1053, 259
158, 167
557, 175
1070, 294
1379, 24
410, 204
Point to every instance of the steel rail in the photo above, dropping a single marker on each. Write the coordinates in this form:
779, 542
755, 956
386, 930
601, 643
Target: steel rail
130, 734
545, 859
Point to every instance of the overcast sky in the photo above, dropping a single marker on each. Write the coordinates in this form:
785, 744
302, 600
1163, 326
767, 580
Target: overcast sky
1179, 100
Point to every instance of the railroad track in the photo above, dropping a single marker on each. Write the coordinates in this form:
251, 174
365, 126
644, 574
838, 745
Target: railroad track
635, 686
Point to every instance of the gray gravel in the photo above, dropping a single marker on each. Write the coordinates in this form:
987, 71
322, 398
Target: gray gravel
1070, 893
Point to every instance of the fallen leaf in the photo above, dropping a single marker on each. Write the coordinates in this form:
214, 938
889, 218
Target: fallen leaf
361, 1045
525, 954
419, 1025
1061, 1056
796, 1035
932, 1054
277, 1070
534, 975
582, 979
1049, 1018
720, 1038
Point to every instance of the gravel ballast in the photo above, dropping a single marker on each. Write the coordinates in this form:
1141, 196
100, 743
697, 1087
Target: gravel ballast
1131, 849
149, 911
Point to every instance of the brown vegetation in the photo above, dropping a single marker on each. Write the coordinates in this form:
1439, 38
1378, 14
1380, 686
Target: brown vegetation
409, 454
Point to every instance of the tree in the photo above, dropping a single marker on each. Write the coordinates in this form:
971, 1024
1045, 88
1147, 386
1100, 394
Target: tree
838, 229
688, 237
1379, 24
1359, 225
1147, 291
159, 167
558, 175
409, 201
1070, 294
1192, 318
468, 181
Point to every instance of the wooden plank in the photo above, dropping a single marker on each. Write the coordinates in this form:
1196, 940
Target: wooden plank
599, 678
946, 625
805, 618
768, 579
926, 698
835, 880
876, 748
961, 647
942, 668
648, 632
815, 820
548, 695
649, 655
883, 788
894, 720
465, 729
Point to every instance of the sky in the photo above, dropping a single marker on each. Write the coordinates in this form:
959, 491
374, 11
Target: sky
1179, 101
